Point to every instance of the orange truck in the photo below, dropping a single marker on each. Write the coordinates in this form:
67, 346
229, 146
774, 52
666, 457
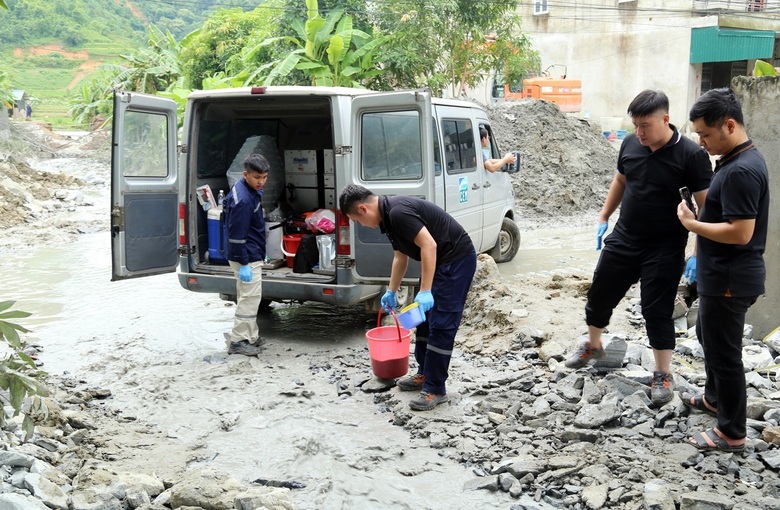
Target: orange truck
567, 94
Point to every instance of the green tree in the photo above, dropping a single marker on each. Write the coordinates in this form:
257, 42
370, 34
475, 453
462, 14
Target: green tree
326, 51
207, 50
452, 43
6, 90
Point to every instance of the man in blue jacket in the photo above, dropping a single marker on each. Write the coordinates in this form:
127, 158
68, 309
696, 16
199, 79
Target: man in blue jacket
243, 210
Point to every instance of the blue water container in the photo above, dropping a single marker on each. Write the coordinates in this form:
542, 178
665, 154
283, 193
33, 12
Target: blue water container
217, 241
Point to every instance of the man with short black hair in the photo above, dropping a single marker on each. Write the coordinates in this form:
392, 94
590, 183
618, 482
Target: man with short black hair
731, 236
423, 231
647, 243
245, 224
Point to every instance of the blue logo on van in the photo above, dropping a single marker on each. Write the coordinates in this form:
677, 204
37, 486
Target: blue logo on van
463, 189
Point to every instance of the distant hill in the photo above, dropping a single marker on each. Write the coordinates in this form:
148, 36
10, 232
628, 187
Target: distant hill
48, 46
73, 23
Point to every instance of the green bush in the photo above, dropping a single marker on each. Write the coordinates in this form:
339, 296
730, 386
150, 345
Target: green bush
19, 376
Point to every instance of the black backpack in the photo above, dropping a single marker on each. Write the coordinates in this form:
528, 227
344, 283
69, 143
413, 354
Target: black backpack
307, 256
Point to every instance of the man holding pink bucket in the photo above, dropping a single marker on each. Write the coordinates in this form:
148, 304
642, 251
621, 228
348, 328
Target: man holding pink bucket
423, 231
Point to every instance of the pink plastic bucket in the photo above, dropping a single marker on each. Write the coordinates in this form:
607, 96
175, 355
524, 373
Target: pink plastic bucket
388, 347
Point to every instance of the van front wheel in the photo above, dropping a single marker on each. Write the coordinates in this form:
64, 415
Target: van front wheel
508, 242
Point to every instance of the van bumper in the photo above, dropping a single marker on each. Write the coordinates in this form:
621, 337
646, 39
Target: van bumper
281, 289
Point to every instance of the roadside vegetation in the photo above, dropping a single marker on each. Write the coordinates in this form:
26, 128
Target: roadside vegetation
443, 45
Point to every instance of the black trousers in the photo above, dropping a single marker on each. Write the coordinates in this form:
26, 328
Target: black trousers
619, 267
435, 337
719, 328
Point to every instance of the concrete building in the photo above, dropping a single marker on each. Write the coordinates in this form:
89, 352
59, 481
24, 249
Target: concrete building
617, 48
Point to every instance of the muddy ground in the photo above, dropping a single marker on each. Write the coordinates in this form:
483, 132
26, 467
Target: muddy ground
165, 401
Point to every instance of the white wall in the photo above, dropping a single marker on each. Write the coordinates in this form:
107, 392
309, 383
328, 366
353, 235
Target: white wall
619, 49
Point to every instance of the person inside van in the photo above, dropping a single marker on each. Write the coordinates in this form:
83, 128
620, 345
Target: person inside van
491, 164
423, 231
243, 210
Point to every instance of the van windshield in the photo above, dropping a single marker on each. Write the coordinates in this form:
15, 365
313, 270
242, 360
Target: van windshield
391, 147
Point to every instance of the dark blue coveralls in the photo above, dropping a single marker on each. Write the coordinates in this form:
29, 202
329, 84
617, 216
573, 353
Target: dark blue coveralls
456, 261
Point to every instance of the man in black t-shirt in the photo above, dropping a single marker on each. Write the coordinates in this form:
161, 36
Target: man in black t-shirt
647, 243
732, 231
421, 230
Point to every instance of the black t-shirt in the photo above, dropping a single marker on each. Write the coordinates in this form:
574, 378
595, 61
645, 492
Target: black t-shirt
402, 219
648, 211
739, 190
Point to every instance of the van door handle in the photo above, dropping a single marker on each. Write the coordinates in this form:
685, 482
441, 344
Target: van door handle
487, 185
475, 186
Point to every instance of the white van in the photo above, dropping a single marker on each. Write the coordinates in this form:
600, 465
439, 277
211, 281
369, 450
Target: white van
318, 140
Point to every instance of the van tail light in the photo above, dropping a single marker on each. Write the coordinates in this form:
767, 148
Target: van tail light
182, 223
344, 234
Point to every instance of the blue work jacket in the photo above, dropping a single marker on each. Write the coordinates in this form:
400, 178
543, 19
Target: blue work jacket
243, 214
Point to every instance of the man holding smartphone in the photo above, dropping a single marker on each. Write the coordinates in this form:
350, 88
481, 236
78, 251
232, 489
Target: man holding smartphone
731, 236
648, 242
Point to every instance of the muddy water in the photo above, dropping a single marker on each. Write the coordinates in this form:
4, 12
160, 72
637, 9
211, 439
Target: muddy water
160, 350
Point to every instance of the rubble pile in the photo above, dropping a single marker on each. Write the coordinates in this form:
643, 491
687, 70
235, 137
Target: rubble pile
566, 165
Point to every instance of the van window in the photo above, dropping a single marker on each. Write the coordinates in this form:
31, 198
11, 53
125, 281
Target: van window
391, 147
459, 151
145, 148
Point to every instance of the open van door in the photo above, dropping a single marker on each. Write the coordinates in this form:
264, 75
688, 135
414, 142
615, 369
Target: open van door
392, 155
144, 186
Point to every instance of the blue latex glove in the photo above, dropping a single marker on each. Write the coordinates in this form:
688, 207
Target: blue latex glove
388, 301
425, 298
690, 269
600, 234
245, 273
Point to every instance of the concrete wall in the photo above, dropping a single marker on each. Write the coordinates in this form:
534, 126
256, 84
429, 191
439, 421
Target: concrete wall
760, 99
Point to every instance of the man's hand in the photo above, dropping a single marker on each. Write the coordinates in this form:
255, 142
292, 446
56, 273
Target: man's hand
388, 301
690, 269
245, 273
425, 298
600, 231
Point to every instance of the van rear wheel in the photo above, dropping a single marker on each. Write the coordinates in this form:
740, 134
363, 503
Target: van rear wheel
508, 242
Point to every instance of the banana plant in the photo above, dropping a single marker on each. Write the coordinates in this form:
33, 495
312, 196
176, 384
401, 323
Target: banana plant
328, 51
762, 68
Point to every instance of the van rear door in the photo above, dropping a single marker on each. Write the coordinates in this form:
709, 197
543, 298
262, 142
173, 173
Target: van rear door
144, 186
392, 155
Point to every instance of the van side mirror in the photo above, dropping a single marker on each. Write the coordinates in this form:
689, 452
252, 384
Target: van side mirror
513, 168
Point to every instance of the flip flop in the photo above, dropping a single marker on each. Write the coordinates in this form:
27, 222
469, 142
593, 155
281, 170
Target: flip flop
709, 440
697, 401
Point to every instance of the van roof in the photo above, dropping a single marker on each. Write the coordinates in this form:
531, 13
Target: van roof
290, 90
297, 90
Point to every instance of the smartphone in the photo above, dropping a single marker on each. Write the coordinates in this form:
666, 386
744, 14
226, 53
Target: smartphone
685, 194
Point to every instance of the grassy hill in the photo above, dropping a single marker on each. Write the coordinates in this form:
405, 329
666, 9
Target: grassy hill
48, 47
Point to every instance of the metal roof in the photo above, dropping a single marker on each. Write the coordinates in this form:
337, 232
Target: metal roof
716, 44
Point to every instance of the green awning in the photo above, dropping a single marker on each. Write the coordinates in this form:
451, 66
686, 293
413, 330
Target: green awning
715, 44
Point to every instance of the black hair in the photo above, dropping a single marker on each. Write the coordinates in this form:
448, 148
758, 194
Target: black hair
716, 106
483, 133
351, 196
257, 163
647, 103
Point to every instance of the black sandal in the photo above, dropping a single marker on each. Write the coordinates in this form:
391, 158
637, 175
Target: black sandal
709, 440
697, 401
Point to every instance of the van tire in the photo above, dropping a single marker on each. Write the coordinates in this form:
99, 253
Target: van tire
508, 242
265, 306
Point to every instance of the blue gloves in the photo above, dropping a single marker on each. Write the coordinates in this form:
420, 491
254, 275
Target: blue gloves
690, 269
388, 301
425, 298
600, 234
245, 273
